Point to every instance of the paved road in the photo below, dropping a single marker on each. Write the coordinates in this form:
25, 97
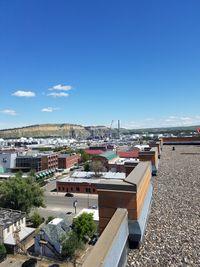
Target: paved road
58, 205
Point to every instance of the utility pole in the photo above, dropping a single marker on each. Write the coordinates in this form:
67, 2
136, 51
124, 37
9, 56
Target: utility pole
75, 204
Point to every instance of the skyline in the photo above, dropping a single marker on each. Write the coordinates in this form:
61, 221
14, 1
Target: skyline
90, 62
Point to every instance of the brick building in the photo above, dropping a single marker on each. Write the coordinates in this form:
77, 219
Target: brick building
117, 190
37, 162
66, 161
85, 182
133, 193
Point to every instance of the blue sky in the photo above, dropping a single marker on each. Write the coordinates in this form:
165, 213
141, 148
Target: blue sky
90, 62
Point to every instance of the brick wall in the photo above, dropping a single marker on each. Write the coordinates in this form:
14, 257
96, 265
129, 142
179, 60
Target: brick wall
76, 187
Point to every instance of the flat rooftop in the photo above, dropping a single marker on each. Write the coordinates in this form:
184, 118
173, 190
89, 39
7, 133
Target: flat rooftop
94, 212
8, 216
89, 177
172, 234
112, 180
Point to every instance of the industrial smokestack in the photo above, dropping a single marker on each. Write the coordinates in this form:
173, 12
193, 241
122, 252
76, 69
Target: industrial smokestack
119, 129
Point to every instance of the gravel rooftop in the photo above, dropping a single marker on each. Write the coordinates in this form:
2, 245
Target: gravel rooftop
172, 235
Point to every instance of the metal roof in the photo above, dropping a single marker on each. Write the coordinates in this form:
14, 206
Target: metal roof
109, 155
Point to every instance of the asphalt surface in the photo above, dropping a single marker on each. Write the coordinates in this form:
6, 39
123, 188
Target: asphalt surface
58, 205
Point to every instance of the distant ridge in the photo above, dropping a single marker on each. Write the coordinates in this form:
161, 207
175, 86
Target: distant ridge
70, 130
54, 130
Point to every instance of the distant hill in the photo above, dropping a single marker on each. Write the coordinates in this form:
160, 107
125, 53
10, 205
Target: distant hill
78, 131
55, 130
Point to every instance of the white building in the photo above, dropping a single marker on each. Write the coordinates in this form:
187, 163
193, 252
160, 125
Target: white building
14, 233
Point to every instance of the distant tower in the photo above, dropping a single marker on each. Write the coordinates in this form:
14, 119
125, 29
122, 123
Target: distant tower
118, 129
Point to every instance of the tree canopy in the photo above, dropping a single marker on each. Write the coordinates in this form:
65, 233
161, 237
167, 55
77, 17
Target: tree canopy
97, 167
21, 194
84, 156
2, 250
70, 245
84, 225
36, 219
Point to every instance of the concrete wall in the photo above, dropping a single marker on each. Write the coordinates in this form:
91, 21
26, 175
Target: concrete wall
137, 227
180, 140
111, 248
109, 199
152, 156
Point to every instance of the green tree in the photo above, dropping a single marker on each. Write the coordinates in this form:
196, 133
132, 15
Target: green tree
84, 226
2, 251
86, 167
36, 219
50, 218
84, 156
70, 245
21, 194
97, 167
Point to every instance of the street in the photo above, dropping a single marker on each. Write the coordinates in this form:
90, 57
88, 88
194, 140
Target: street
58, 205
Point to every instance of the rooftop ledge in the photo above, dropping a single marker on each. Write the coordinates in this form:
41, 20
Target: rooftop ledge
131, 182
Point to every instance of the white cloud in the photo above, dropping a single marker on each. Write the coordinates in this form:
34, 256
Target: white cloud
61, 87
8, 112
171, 121
24, 94
49, 109
62, 94
186, 119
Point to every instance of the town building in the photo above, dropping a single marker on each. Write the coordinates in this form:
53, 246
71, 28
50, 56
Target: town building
7, 161
48, 240
85, 182
133, 193
37, 162
66, 161
14, 233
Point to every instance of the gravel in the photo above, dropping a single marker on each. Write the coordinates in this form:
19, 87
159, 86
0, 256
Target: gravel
172, 235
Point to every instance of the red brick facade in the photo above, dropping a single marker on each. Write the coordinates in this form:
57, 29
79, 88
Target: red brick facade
49, 161
76, 187
68, 161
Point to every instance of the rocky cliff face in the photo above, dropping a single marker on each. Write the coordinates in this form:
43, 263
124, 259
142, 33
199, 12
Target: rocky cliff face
46, 130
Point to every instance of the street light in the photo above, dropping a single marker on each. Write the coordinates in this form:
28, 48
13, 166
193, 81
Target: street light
75, 204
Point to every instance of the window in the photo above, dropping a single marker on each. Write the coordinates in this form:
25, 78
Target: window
86, 190
94, 190
59, 188
77, 189
63, 189
72, 189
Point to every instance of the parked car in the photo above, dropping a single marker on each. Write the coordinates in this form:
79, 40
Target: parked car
93, 240
94, 207
29, 263
68, 194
